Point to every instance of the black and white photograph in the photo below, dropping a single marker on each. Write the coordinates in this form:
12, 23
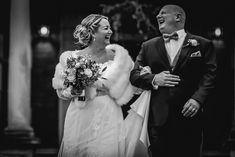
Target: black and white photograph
120, 78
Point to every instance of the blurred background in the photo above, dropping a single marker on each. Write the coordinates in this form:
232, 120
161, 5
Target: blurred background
33, 33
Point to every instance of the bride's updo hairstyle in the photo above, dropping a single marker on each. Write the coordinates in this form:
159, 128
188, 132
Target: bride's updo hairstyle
84, 31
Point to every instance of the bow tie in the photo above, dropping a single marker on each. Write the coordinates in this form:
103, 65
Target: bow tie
168, 37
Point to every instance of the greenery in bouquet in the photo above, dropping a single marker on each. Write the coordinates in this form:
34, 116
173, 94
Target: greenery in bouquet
80, 72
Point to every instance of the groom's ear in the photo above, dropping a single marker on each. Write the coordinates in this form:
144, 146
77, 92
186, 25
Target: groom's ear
178, 17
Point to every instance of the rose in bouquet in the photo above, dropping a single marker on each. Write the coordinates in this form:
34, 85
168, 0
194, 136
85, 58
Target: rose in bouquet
74, 73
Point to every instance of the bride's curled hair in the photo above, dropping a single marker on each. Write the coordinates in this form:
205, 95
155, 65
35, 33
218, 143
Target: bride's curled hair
84, 31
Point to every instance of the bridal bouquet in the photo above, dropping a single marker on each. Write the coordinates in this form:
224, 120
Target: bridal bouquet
74, 73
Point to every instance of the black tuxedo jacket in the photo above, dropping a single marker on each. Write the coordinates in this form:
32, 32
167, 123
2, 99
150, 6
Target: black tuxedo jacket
196, 67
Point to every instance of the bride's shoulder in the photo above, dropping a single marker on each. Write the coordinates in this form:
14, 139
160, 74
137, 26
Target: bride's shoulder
69, 53
117, 50
66, 54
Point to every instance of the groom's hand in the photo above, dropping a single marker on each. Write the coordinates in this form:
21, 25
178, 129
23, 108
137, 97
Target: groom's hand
166, 79
190, 108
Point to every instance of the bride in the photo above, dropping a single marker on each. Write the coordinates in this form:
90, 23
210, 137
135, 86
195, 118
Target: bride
95, 127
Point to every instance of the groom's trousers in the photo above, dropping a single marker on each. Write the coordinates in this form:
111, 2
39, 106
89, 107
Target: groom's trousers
179, 136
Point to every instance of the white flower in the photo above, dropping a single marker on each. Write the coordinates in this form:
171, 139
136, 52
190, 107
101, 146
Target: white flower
70, 71
193, 42
88, 72
71, 74
71, 78
78, 65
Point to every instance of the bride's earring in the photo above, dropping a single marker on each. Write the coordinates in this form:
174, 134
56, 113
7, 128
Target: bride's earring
93, 38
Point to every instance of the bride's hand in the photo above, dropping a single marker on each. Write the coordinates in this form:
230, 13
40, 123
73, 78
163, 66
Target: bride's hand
145, 70
102, 90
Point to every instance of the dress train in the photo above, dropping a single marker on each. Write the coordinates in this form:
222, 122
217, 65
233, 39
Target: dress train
136, 127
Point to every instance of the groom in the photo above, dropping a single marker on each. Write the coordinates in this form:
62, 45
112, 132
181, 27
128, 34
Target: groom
183, 72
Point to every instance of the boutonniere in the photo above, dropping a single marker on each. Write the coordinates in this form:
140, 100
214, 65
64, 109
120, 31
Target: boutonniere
192, 42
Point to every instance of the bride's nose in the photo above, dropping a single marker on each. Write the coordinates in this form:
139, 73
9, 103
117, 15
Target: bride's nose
110, 31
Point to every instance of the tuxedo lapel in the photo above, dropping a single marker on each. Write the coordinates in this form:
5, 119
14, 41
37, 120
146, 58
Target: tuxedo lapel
162, 52
184, 51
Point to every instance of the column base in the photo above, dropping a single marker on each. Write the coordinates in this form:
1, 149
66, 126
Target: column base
231, 142
20, 139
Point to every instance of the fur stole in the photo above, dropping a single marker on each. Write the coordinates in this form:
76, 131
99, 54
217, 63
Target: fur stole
117, 75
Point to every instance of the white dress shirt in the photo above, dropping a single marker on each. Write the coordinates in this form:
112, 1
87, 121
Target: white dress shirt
173, 46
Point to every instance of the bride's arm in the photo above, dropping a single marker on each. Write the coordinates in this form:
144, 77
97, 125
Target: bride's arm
62, 96
58, 83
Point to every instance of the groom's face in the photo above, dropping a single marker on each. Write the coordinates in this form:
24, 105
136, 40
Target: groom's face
167, 20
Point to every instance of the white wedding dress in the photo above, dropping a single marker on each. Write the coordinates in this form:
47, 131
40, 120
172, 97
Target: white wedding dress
95, 127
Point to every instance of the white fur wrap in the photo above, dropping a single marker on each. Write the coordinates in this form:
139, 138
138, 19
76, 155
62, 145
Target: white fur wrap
117, 75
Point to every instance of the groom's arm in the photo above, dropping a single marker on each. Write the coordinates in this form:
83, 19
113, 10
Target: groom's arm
206, 84
143, 81
207, 81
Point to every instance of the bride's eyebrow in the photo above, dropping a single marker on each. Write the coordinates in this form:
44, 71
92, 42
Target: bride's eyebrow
105, 27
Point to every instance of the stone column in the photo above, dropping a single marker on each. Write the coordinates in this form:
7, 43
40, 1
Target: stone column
232, 136
233, 60
19, 109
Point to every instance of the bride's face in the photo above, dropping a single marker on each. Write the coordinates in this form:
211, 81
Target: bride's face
103, 33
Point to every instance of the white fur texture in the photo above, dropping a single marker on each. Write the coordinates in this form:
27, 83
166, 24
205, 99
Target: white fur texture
117, 75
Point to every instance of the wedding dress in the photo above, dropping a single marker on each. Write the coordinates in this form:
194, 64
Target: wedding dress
95, 127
